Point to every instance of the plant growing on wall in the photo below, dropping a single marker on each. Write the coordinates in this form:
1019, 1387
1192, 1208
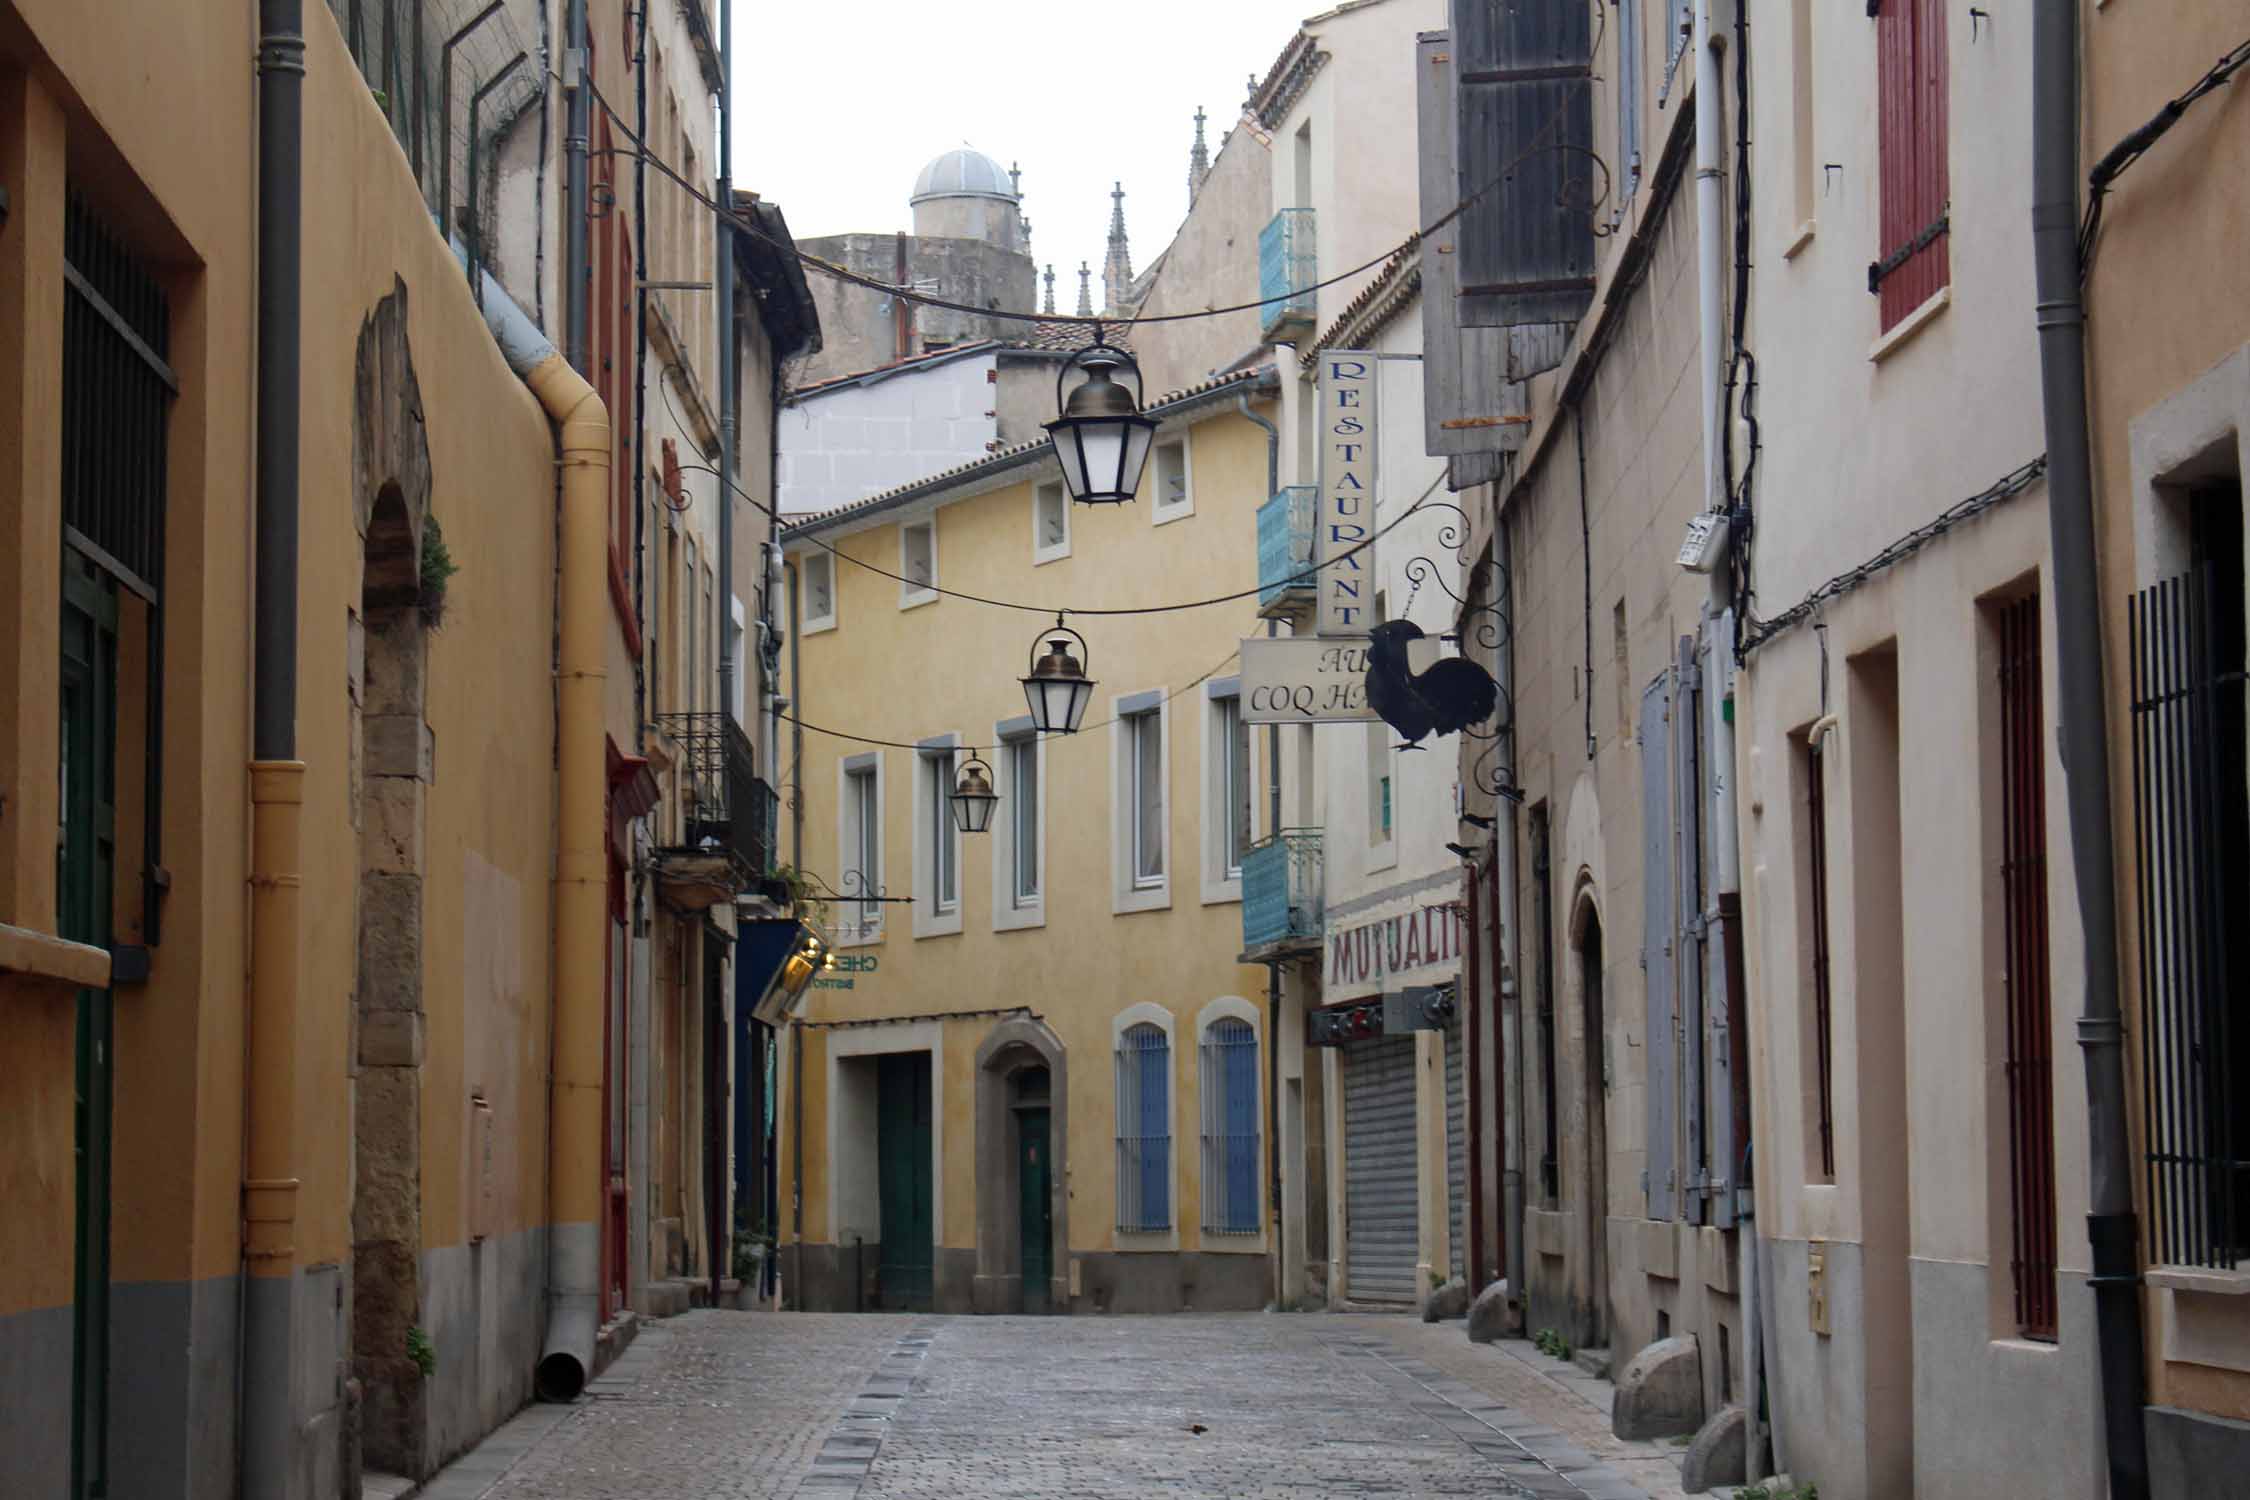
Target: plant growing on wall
438, 569
420, 1350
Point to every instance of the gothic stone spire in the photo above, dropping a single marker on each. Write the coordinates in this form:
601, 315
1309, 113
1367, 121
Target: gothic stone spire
1199, 159
1049, 309
1117, 270
1085, 290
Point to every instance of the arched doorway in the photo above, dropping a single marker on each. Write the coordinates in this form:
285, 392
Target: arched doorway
1022, 1160
1590, 1300
391, 768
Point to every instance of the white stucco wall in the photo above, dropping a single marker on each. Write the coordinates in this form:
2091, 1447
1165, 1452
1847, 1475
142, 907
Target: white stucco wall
849, 442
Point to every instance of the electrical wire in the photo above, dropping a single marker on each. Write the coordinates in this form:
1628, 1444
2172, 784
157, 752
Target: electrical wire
908, 294
2013, 483
2136, 145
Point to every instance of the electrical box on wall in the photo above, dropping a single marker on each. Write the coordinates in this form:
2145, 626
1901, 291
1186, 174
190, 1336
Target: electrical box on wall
1334, 1025
1418, 1007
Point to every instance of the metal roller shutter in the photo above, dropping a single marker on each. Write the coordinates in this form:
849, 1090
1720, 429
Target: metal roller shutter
1456, 1150
1381, 1228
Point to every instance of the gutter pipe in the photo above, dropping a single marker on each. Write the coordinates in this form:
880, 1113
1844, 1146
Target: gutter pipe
721, 1068
2084, 732
578, 132
277, 777
574, 1141
1273, 970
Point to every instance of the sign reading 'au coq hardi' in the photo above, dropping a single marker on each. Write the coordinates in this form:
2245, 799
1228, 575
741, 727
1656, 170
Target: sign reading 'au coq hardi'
1305, 680
1345, 516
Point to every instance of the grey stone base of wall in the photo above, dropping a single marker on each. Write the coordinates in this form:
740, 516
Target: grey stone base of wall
2193, 1454
35, 1418
819, 1278
484, 1309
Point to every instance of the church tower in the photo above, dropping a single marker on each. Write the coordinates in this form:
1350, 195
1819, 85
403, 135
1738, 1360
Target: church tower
1199, 160
1117, 270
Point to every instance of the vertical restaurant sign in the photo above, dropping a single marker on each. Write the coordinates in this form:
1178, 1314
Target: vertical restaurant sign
1345, 516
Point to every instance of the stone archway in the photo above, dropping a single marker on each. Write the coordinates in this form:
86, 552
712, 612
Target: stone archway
392, 755
1010, 1054
1590, 1311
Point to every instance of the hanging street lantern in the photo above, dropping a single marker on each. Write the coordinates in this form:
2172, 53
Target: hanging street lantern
1101, 439
973, 797
1058, 688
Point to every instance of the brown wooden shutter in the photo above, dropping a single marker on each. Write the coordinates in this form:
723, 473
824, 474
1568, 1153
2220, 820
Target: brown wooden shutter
1910, 43
1523, 69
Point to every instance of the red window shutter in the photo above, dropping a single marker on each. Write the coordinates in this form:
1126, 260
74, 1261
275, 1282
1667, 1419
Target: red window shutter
1910, 42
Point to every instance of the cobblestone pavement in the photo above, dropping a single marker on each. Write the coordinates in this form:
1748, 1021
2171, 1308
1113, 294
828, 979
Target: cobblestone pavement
718, 1405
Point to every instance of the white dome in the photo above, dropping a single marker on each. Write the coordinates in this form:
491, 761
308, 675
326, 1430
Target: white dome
963, 173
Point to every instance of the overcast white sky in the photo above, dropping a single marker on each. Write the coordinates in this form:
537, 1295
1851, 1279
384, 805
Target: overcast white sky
841, 103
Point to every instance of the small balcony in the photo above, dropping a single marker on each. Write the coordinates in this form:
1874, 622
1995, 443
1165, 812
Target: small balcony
1281, 896
1287, 269
1285, 551
727, 812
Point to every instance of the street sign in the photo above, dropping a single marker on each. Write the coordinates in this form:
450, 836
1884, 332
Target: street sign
1344, 517
1306, 680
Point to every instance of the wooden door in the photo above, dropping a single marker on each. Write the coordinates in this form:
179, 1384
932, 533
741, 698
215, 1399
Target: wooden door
903, 1274
1035, 1206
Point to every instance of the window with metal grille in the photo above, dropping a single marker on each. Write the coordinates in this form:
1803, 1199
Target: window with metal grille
1911, 131
1816, 901
2192, 825
2023, 886
1144, 1130
1230, 1127
117, 391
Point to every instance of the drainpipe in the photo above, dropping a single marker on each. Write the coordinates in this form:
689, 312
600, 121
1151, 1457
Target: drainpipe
277, 776
574, 1140
2084, 732
578, 131
796, 730
723, 280
1273, 971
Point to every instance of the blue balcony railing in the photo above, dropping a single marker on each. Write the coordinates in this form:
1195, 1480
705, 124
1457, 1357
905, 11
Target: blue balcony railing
1285, 537
1287, 265
1281, 892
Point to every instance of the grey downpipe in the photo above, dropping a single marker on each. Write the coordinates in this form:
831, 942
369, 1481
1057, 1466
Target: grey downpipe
2084, 731
577, 136
1273, 971
1505, 983
648, 679
796, 730
269, 1301
723, 280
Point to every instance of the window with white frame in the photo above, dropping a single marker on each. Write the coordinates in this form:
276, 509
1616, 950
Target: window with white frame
818, 575
1145, 732
1020, 848
1226, 790
1140, 796
917, 562
1144, 1130
1175, 494
937, 875
1229, 1090
859, 845
1050, 523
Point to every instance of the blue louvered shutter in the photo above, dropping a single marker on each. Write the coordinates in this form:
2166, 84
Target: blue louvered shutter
1661, 1051
1156, 1131
1239, 1050
1523, 71
1688, 953
1716, 661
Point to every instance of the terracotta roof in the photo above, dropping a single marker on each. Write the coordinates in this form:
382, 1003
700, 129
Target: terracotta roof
1060, 337
1398, 283
1011, 457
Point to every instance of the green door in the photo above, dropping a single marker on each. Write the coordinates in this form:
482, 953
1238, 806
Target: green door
902, 1126
1035, 1208
85, 861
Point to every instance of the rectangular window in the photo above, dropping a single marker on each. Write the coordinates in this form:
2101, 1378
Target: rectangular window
1804, 163
1234, 741
1629, 45
819, 584
1912, 262
1230, 1127
1815, 888
2192, 815
917, 563
1144, 1130
860, 843
1050, 523
1174, 497
2023, 887
942, 840
1144, 733
1022, 754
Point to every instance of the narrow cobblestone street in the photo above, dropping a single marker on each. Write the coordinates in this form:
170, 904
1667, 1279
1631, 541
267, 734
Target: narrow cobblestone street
723, 1405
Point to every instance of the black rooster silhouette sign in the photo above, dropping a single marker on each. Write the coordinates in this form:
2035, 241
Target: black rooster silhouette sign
1451, 695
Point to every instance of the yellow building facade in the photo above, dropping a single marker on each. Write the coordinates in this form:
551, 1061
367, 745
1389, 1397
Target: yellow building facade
1034, 1077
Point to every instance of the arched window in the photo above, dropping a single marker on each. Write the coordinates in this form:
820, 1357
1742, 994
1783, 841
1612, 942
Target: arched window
1230, 1127
1144, 1130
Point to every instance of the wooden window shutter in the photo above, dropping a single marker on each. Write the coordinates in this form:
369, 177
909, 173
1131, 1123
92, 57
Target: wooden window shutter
1911, 80
1526, 137
1688, 951
1660, 1054
1471, 403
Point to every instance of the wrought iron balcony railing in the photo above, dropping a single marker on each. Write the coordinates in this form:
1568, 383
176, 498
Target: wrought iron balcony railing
1285, 547
1287, 269
726, 808
1282, 879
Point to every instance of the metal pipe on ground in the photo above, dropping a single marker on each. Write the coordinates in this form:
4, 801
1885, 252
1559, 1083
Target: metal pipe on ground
2084, 733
